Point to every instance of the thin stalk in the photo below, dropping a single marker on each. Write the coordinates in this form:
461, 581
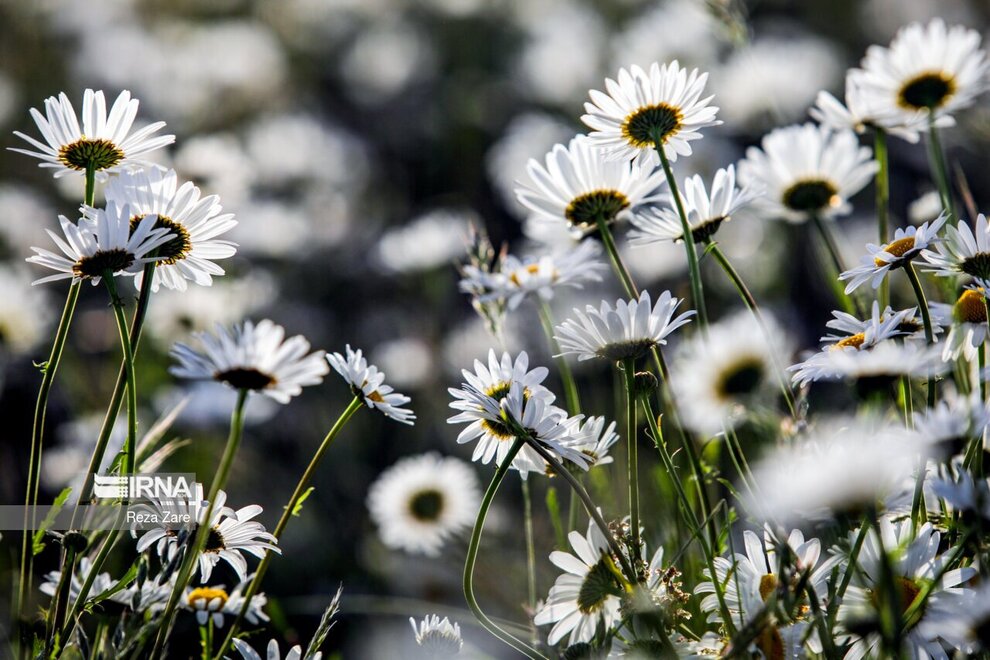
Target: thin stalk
926, 319
472, 559
835, 257
287, 514
882, 200
566, 376
936, 160
694, 269
130, 456
60, 600
613, 253
203, 530
833, 606
633, 452
37, 439
530, 550
754, 308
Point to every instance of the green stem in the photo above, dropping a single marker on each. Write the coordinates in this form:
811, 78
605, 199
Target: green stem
530, 549
633, 451
37, 440
833, 606
613, 252
472, 559
287, 515
835, 257
202, 532
566, 376
936, 159
926, 319
130, 461
694, 268
882, 201
754, 308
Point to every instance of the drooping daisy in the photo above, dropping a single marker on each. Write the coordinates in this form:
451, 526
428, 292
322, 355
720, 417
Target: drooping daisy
807, 169
101, 243
368, 383
193, 222
916, 562
639, 110
927, 69
252, 357
104, 142
628, 331
419, 503
719, 377
705, 213
578, 185
517, 278
439, 638
272, 652
963, 251
586, 595
881, 259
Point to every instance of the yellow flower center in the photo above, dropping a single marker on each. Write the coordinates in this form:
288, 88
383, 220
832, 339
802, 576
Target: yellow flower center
970, 308
768, 584
207, 595
928, 90
811, 195
585, 209
175, 248
856, 341
898, 248
531, 269
650, 124
98, 154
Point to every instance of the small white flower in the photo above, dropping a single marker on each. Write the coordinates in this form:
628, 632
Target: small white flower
639, 109
102, 242
215, 603
272, 652
806, 170
252, 357
960, 620
954, 421
577, 185
881, 259
963, 251
705, 213
438, 637
103, 142
591, 437
626, 332
101, 582
885, 361
368, 383
422, 501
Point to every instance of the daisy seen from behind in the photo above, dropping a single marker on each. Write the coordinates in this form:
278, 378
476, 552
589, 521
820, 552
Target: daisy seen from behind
440, 638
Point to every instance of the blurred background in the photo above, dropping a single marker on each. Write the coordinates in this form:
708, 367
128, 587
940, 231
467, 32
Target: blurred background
356, 141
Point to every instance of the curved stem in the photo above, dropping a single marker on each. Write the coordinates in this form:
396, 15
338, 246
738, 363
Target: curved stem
203, 529
472, 559
882, 200
566, 376
936, 160
694, 268
530, 550
633, 453
613, 253
130, 461
287, 515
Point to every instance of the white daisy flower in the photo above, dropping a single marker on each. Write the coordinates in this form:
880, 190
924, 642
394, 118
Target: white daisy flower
960, 620
807, 169
927, 69
916, 562
101, 582
705, 213
517, 278
881, 259
272, 652
954, 421
578, 185
591, 437
193, 222
104, 142
963, 251
626, 332
102, 242
438, 637
882, 363
586, 595
640, 109
842, 465
368, 384
419, 503
215, 603
720, 376
252, 357
960, 490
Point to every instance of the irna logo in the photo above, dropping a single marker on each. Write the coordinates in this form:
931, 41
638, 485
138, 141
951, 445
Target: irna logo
145, 486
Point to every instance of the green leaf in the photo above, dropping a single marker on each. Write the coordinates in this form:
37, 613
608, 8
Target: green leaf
37, 542
119, 586
297, 508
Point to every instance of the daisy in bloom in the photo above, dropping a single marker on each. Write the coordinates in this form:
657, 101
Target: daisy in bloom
916, 563
587, 595
368, 384
252, 357
807, 169
954, 421
577, 186
101, 582
961, 620
421, 501
518, 278
628, 331
101, 243
104, 142
960, 491
705, 213
641, 110
272, 652
215, 603
842, 465
881, 259
438, 637
880, 364
193, 224
963, 251
749, 579
718, 377
592, 437
967, 321
929, 69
